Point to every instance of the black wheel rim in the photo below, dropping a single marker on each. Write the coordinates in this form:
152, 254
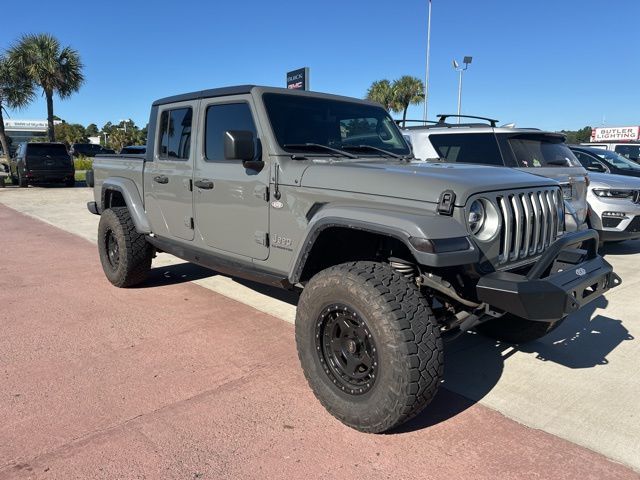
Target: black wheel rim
113, 249
346, 349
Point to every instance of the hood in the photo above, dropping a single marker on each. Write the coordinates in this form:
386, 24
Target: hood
609, 180
423, 181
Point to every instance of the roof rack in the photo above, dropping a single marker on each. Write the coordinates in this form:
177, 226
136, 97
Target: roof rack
424, 122
442, 119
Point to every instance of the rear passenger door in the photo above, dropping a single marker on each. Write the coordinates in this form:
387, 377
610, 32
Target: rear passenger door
230, 201
168, 178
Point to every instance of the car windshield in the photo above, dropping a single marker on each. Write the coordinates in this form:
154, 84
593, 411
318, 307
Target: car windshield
297, 120
542, 151
631, 152
616, 160
42, 150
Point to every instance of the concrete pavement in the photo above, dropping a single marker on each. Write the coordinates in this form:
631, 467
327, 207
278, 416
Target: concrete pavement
579, 383
174, 381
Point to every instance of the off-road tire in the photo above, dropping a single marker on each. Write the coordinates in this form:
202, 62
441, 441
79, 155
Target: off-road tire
134, 252
409, 348
512, 329
22, 182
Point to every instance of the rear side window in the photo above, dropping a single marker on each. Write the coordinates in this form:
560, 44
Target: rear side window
220, 118
175, 133
42, 150
542, 151
468, 148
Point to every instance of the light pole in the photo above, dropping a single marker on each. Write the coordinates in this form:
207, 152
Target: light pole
426, 76
460, 70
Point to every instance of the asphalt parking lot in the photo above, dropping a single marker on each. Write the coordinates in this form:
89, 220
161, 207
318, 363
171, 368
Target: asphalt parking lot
176, 380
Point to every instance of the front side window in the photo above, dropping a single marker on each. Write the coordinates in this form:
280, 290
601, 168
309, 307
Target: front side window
223, 117
587, 161
175, 133
298, 120
479, 148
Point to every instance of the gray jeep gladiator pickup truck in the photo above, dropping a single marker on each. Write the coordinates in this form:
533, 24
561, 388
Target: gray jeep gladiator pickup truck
320, 193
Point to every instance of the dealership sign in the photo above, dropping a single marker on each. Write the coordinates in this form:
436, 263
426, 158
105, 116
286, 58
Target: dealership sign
298, 79
30, 125
615, 134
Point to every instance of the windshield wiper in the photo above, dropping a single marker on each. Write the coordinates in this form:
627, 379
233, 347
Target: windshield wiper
319, 146
381, 150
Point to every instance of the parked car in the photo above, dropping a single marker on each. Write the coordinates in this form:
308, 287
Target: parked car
614, 206
527, 149
36, 162
390, 253
134, 150
605, 161
630, 150
88, 150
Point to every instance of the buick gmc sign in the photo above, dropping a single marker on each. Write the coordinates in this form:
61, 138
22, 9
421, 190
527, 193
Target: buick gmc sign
298, 79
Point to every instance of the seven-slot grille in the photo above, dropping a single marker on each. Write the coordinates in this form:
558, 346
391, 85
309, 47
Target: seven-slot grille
530, 222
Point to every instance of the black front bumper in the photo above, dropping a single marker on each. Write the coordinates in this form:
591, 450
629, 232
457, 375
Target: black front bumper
567, 276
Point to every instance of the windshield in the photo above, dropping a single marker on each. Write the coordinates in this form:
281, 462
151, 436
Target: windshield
542, 151
297, 120
42, 150
631, 152
616, 160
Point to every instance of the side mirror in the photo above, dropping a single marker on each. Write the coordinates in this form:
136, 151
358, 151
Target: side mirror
239, 145
596, 167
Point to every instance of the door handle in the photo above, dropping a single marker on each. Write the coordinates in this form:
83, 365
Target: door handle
204, 184
161, 179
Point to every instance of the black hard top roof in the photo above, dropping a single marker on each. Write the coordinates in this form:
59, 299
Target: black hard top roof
212, 92
246, 89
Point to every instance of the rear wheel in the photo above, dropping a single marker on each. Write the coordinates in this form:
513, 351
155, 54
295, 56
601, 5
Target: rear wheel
124, 253
71, 182
369, 345
22, 181
512, 329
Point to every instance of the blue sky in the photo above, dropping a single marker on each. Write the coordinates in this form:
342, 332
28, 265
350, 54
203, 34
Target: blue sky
549, 64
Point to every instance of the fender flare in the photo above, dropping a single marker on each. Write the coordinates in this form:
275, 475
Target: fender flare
396, 224
132, 198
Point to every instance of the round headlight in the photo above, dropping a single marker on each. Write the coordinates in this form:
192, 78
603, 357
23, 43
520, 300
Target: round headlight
477, 216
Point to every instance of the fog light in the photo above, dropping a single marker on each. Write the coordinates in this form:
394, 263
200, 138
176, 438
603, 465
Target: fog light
614, 214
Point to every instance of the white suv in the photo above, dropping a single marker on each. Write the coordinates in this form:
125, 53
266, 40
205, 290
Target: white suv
528, 149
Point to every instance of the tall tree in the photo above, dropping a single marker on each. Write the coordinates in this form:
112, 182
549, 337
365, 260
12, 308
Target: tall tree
407, 90
50, 66
381, 91
15, 92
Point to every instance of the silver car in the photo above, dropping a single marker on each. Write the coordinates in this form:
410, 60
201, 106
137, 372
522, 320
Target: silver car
614, 206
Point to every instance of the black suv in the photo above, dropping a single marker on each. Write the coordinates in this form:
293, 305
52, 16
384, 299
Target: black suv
42, 163
605, 161
88, 150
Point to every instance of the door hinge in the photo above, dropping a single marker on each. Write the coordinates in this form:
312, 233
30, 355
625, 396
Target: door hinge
188, 222
262, 191
261, 238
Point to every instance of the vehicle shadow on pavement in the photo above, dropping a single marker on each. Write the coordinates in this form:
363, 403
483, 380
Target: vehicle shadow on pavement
629, 247
474, 364
174, 274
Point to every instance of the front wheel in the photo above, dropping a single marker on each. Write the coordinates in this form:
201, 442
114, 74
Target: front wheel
512, 329
369, 345
124, 253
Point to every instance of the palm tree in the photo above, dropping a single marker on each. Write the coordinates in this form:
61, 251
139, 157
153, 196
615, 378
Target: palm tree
407, 90
51, 67
16, 91
381, 92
